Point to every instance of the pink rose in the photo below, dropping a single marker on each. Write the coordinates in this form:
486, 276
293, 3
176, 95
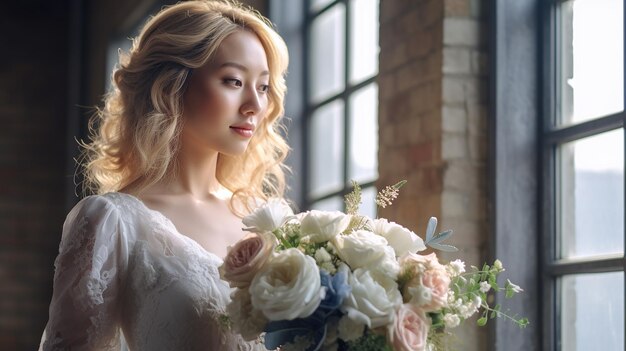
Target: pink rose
429, 283
409, 330
245, 259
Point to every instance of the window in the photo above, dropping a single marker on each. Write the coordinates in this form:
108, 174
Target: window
341, 102
582, 150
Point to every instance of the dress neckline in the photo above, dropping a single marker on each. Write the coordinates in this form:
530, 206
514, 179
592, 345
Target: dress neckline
174, 230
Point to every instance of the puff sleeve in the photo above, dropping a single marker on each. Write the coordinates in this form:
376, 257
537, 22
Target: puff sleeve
89, 274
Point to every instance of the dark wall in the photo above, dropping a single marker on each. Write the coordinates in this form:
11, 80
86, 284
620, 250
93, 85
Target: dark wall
52, 72
33, 100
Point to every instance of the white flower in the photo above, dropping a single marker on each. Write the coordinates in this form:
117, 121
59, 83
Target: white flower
451, 298
477, 301
456, 304
484, 287
456, 267
288, 286
247, 321
321, 255
471, 307
350, 329
322, 226
364, 249
514, 287
270, 216
373, 300
329, 267
420, 295
498, 265
400, 238
451, 320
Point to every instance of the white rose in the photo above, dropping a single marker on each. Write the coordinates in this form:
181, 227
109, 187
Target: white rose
349, 329
270, 216
364, 249
247, 321
400, 238
288, 286
373, 300
322, 226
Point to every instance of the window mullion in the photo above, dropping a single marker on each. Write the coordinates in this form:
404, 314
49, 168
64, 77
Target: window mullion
624, 131
346, 95
609, 264
585, 129
306, 186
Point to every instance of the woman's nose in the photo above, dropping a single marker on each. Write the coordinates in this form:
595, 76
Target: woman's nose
252, 104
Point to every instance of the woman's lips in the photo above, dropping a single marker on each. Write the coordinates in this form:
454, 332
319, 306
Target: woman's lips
244, 132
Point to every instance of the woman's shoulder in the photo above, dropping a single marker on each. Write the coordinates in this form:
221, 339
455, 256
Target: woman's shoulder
120, 205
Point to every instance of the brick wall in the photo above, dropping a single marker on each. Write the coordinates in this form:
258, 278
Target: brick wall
432, 123
33, 86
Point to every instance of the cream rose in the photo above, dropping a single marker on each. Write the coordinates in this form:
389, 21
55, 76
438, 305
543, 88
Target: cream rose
364, 249
349, 329
247, 321
246, 258
268, 217
400, 238
288, 287
322, 226
374, 298
409, 331
429, 287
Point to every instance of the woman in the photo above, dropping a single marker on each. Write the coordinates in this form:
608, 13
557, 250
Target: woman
187, 145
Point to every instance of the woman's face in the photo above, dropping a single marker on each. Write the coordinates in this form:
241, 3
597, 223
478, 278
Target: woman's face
227, 98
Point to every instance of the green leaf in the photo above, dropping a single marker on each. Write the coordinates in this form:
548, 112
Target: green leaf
482, 321
523, 323
509, 293
399, 184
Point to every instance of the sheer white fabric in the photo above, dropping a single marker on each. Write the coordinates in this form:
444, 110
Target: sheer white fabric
126, 279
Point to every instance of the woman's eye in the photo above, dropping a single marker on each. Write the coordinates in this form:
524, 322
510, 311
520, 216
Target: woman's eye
265, 88
233, 81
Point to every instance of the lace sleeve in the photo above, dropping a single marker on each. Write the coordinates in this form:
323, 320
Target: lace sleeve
83, 313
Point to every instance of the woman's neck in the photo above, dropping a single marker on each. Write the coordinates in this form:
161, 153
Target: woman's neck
196, 174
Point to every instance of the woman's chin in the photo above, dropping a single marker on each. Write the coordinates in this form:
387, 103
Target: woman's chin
235, 151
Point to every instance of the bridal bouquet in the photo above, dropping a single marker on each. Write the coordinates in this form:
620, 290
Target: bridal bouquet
323, 280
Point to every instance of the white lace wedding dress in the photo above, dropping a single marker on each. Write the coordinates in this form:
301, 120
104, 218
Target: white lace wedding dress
126, 279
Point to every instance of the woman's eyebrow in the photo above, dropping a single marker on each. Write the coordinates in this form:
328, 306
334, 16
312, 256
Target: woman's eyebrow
241, 67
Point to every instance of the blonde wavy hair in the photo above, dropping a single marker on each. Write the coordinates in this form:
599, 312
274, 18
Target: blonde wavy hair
138, 135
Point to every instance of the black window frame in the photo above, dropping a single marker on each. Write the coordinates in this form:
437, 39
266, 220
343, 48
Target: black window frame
551, 137
309, 108
513, 172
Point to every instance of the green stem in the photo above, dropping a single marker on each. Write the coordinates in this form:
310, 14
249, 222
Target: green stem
499, 313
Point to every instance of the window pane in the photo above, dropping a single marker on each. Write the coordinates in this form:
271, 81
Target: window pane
327, 53
334, 203
363, 39
326, 148
363, 161
592, 60
592, 311
592, 195
368, 205
317, 5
